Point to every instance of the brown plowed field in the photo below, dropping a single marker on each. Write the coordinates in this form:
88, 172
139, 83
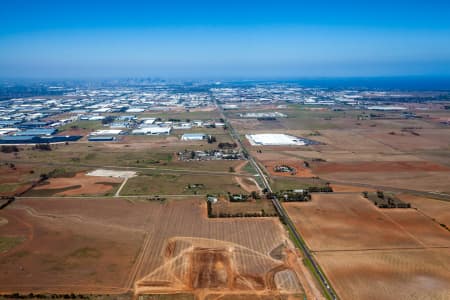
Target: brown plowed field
372, 253
433, 208
65, 252
337, 222
389, 275
417, 180
80, 184
329, 222
406, 166
114, 245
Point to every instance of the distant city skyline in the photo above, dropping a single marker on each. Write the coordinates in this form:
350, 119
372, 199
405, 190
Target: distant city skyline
232, 39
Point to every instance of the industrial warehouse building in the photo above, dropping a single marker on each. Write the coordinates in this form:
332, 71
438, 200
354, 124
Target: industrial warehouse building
107, 132
36, 132
193, 137
274, 139
101, 139
12, 140
153, 130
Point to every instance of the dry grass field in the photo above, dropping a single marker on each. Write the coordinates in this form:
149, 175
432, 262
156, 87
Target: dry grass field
115, 245
176, 184
420, 181
130, 151
372, 253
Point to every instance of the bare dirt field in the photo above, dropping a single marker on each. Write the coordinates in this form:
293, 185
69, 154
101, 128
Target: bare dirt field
116, 245
248, 184
372, 253
328, 223
80, 184
177, 184
389, 274
436, 209
375, 166
422, 139
66, 246
420, 181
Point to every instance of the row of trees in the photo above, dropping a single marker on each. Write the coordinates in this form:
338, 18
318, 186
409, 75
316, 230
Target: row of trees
9, 149
15, 149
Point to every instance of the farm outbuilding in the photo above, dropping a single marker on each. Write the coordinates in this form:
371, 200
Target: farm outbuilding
101, 139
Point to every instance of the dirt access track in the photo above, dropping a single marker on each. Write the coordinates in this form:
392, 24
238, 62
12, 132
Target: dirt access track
98, 246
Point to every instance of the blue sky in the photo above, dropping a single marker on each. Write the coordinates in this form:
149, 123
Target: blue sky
221, 39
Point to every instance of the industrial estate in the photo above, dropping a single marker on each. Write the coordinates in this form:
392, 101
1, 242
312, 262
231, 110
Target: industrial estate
147, 189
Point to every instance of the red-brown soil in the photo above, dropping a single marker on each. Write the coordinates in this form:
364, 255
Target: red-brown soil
433, 208
80, 184
63, 253
372, 253
405, 166
336, 222
389, 274
117, 245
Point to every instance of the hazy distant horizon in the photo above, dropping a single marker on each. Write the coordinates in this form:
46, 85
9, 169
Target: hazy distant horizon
253, 39
411, 83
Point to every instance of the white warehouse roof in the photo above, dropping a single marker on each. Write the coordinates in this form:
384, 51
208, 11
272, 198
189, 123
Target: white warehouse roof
107, 132
274, 139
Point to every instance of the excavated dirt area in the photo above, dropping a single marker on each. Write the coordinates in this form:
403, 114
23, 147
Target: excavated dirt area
389, 274
199, 265
433, 208
80, 184
210, 268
